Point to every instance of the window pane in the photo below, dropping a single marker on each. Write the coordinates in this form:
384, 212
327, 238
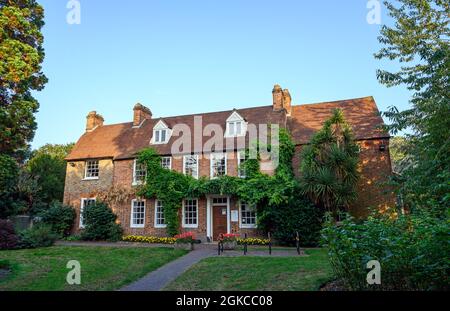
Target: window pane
163, 135
157, 135
231, 128
159, 214
138, 213
166, 162
241, 168
140, 172
92, 169
191, 165
248, 215
238, 128
218, 165
190, 212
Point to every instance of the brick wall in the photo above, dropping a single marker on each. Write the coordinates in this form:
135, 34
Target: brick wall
77, 188
375, 168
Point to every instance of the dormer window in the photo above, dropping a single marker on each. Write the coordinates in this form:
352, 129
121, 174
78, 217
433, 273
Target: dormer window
160, 136
236, 126
161, 133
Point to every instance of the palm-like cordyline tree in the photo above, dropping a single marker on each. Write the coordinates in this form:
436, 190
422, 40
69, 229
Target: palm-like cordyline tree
329, 165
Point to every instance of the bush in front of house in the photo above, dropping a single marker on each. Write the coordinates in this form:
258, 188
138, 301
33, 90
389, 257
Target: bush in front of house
8, 237
100, 224
60, 217
40, 235
411, 249
298, 215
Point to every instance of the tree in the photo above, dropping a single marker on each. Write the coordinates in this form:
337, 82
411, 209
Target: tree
329, 165
419, 40
48, 166
398, 146
21, 56
9, 172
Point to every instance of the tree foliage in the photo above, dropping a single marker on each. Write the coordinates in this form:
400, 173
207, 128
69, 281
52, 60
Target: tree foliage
48, 167
419, 41
9, 172
329, 165
412, 250
21, 56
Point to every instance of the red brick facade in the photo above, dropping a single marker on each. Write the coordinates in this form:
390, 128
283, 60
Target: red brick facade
116, 146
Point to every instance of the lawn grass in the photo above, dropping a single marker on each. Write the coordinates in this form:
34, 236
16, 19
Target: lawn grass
257, 273
102, 268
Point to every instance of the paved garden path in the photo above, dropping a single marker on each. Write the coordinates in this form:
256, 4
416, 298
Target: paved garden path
160, 278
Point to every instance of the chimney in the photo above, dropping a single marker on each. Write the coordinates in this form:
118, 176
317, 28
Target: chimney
141, 113
287, 101
94, 120
277, 94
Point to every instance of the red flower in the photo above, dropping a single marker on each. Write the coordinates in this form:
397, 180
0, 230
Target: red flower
186, 235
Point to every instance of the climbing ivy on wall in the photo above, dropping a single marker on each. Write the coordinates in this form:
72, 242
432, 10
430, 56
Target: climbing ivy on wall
257, 188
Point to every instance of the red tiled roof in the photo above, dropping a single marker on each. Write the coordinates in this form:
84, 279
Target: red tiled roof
121, 141
361, 113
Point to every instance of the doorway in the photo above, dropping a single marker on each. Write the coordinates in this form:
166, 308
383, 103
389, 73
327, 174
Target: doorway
220, 216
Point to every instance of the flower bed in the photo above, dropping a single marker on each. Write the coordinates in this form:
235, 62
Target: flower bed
185, 241
253, 241
148, 239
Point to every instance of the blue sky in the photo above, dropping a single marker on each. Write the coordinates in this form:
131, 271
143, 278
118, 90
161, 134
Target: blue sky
188, 56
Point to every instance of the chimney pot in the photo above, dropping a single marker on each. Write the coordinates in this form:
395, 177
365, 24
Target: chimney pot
287, 99
277, 94
141, 113
93, 121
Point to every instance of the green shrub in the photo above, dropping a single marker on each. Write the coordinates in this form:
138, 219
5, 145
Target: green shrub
413, 251
298, 215
40, 235
99, 221
60, 217
75, 237
8, 237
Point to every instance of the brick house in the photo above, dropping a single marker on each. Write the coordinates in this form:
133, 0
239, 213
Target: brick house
104, 158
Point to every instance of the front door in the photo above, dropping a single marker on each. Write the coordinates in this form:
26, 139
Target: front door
220, 216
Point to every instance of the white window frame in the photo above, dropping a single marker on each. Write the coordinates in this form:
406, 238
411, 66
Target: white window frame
137, 182
232, 121
82, 205
213, 156
159, 127
247, 226
170, 162
184, 214
86, 169
156, 214
240, 156
184, 164
132, 214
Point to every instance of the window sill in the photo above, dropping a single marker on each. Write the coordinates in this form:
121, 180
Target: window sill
137, 183
137, 226
190, 226
234, 136
248, 227
160, 226
90, 178
160, 143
